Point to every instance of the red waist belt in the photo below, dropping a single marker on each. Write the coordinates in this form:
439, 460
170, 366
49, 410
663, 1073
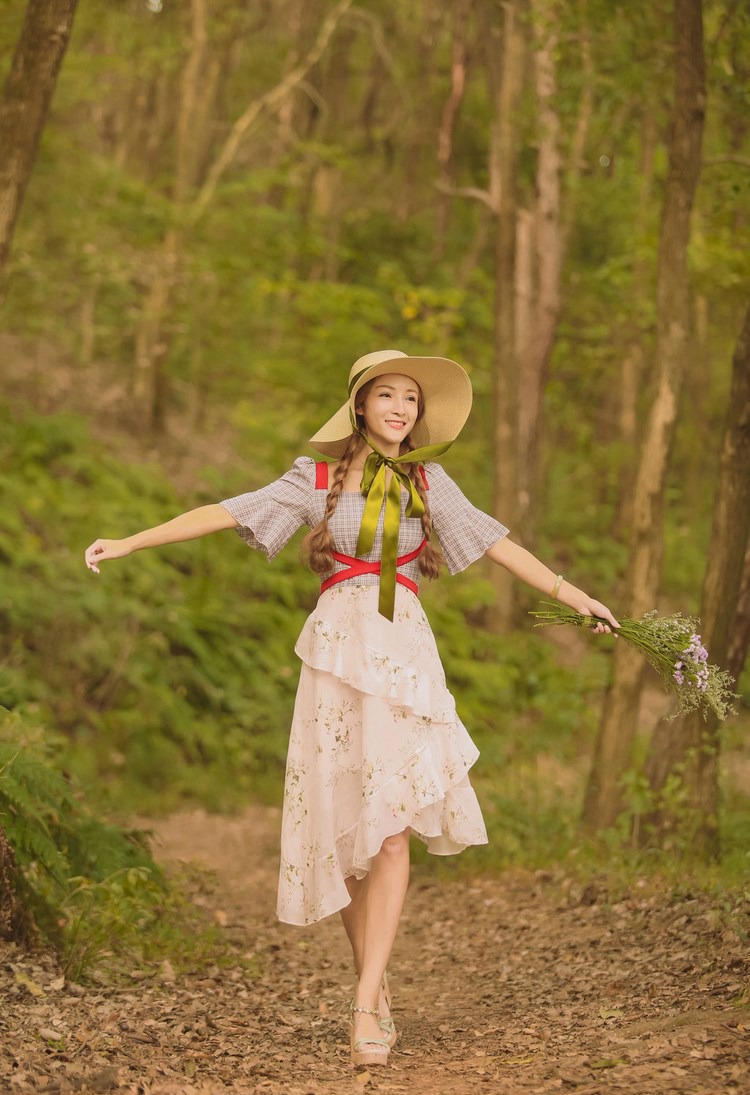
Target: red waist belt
357, 567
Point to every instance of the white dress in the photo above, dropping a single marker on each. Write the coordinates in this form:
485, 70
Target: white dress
376, 745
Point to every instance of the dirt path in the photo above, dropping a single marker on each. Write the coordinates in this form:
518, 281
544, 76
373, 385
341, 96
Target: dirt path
513, 986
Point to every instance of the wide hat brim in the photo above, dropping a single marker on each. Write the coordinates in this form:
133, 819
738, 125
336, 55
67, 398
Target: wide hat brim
446, 391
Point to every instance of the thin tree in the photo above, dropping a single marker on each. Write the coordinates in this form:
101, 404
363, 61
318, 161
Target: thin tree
544, 226
633, 359
448, 117
505, 76
25, 102
739, 640
612, 755
685, 751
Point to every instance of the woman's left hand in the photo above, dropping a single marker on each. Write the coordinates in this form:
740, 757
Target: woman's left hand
587, 606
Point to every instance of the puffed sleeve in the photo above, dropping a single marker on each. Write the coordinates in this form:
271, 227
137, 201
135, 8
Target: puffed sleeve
464, 531
269, 517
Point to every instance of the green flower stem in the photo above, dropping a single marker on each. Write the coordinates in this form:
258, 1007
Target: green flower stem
662, 642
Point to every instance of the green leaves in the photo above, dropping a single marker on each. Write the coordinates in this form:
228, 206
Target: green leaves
53, 834
171, 659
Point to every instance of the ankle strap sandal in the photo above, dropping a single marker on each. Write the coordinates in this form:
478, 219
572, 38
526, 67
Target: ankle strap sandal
379, 1048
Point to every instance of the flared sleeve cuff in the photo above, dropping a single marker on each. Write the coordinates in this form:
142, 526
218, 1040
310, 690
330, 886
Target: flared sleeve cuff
464, 531
268, 518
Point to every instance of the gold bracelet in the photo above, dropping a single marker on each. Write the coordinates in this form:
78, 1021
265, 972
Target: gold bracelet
558, 582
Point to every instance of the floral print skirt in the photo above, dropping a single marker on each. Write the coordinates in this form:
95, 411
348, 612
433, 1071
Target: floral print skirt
375, 747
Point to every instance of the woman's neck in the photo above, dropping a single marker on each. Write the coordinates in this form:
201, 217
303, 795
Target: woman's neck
391, 451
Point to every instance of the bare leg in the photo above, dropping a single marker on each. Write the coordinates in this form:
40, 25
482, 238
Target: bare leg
378, 907
353, 917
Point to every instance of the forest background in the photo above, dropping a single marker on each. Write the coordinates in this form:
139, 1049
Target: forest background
230, 203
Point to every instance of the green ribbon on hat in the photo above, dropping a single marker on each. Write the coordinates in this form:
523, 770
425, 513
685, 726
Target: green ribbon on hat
374, 489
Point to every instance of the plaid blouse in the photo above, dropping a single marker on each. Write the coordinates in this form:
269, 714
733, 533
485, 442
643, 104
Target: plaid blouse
268, 518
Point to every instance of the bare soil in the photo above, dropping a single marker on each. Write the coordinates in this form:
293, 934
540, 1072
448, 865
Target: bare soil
514, 985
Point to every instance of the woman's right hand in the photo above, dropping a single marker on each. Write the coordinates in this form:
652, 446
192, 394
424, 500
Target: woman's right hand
105, 549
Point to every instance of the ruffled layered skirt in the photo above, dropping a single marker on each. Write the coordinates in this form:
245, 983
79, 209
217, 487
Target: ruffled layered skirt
375, 747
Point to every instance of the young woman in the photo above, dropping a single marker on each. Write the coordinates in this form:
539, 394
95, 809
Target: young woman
376, 750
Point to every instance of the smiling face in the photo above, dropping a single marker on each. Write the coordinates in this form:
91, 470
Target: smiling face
390, 406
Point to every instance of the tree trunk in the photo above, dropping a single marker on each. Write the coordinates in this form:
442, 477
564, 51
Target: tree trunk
16, 922
191, 119
576, 161
448, 118
149, 387
549, 250
612, 754
148, 392
88, 325
525, 318
553, 220
739, 640
330, 199
473, 254
687, 749
633, 360
505, 72
25, 102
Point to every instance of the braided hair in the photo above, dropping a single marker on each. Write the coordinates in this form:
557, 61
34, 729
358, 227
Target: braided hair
431, 558
318, 546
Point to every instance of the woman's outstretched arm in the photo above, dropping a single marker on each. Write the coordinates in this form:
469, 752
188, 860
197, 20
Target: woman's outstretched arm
186, 526
522, 564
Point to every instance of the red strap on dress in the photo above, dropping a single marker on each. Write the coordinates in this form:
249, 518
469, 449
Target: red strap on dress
355, 568
321, 475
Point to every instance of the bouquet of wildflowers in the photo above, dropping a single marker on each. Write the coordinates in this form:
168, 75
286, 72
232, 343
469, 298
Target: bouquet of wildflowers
672, 645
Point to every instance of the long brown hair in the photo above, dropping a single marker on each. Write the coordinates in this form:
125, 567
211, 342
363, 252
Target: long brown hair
318, 546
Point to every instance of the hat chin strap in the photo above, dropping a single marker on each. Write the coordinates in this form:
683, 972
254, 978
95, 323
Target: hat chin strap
374, 489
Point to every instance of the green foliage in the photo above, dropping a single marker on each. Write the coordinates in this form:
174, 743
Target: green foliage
52, 833
55, 836
91, 886
176, 669
130, 920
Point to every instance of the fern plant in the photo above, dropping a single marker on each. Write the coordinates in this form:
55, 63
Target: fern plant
55, 840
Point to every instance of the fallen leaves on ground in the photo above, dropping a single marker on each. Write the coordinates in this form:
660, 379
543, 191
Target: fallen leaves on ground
518, 985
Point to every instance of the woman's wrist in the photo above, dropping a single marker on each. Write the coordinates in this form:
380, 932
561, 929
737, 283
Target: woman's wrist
561, 590
572, 597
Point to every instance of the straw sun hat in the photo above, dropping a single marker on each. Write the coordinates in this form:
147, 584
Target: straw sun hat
446, 391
